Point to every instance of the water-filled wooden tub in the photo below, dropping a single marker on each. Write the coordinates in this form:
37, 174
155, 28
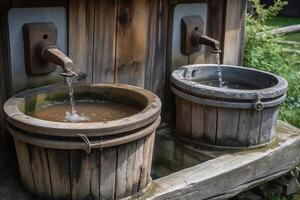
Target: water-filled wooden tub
93, 160
236, 118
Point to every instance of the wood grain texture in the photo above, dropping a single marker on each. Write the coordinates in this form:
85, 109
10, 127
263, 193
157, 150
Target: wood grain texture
24, 165
150, 159
104, 41
264, 126
215, 26
81, 34
60, 173
210, 124
131, 149
40, 171
234, 31
121, 172
108, 159
197, 121
155, 73
183, 116
138, 165
84, 175
220, 178
132, 31
249, 127
227, 128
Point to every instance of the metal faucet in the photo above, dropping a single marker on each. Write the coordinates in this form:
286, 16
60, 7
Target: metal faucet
197, 38
50, 53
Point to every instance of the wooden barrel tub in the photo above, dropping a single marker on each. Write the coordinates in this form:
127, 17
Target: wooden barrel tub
223, 117
94, 160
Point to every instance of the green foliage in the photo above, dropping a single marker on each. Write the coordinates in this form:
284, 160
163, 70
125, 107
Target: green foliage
263, 52
264, 13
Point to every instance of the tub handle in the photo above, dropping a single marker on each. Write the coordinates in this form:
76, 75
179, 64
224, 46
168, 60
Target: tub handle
258, 105
88, 147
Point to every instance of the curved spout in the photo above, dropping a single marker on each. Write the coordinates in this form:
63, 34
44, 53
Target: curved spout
198, 38
50, 53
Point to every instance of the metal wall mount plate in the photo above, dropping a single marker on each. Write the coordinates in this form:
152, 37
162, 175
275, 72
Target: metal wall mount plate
190, 25
34, 34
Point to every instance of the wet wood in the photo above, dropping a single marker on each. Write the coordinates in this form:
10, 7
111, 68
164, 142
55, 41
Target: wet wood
60, 173
138, 165
210, 124
234, 32
121, 171
81, 34
197, 121
24, 165
150, 158
131, 149
264, 126
132, 32
248, 131
108, 159
183, 116
227, 127
146, 159
84, 175
104, 41
155, 72
40, 171
256, 167
215, 16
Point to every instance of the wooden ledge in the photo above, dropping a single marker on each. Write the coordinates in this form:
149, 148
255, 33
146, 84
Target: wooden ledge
231, 173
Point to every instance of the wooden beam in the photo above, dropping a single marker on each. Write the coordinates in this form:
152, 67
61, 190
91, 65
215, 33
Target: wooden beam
132, 33
232, 173
215, 25
286, 30
6, 142
234, 32
104, 41
81, 35
157, 48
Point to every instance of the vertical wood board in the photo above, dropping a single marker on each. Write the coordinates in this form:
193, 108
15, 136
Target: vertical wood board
104, 41
81, 36
132, 32
234, 31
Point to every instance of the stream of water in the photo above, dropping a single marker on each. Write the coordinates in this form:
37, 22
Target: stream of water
73, 116
220, 76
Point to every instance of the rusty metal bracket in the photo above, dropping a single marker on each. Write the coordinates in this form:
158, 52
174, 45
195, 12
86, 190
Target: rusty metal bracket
34, 34
190, 26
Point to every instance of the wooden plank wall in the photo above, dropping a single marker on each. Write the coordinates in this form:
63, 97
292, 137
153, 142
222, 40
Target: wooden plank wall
119, 41
234, 32
128, 41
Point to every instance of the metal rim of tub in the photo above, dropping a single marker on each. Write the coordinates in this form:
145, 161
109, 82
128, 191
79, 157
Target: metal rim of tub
20, 120
180, 81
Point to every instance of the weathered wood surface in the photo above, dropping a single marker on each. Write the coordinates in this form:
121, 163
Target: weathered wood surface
232, 173
131, 41
81, 36
234, 32
286, 30
104, 41
215, 16
108, 173
155, 72
225, 127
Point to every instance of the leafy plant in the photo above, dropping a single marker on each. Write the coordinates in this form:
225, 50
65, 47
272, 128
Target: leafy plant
262, 51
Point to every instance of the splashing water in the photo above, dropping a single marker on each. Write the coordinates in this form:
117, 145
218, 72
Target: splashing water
73, 116
220, 77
